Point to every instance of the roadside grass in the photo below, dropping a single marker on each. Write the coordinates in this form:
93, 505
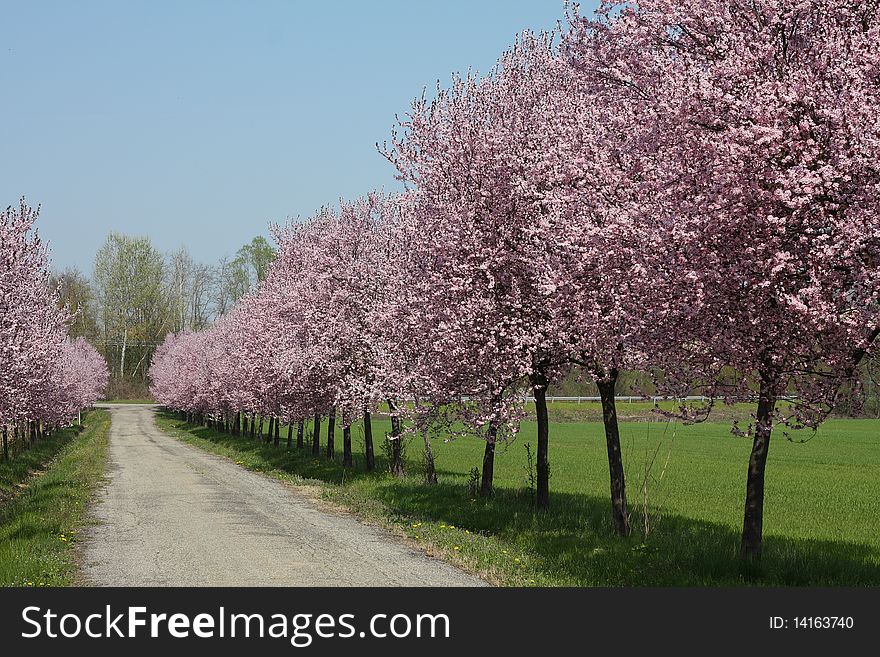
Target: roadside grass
40, 525
127, 401
822, 505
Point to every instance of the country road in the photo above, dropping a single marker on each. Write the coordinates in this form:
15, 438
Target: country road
172, 515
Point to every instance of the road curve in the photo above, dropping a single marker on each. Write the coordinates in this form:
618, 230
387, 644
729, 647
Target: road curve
173, 515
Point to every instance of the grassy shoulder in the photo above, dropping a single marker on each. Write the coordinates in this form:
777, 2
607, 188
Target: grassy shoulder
822, 522
53, 482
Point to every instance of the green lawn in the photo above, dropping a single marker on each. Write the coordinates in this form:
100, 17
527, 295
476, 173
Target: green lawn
48, 488
822, 519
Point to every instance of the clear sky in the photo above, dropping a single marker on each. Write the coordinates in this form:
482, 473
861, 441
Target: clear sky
197, 122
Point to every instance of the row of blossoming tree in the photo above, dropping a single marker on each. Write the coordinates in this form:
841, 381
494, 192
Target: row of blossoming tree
46, 379
689, 189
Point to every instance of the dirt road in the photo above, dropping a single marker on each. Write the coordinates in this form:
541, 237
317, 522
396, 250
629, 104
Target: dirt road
172, 515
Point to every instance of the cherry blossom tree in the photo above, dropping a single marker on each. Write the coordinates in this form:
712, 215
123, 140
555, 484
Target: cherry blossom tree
485, 291
81, 379
307, 342
345, 293
527, 259
45, 379
758, 124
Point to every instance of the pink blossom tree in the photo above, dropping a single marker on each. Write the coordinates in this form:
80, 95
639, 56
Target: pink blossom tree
526, 258
758, 124
331, 279
485, 291
81, 379
45, 379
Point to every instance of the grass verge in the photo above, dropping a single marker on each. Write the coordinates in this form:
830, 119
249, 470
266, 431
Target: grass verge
40, 521
822, 521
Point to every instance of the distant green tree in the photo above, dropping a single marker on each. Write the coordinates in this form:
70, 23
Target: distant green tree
76, 293
129, 276
188, 289
254, 259
242, 274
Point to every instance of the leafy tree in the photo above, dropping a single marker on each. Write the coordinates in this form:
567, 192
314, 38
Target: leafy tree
129, 274
189, 290
236, 277
78, 296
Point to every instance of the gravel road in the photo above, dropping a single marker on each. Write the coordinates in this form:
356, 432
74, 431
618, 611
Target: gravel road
173, 515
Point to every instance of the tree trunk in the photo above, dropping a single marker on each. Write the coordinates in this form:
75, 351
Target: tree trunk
347, 460
542, 494
331, 432
398, 468
753, 519
300, 430
244, 424
489, 461
277, 441
369, 454
5, 443
430, 470
271, 428
316, 436
290, 434
346, 440
260, 429
619, 514
122, 357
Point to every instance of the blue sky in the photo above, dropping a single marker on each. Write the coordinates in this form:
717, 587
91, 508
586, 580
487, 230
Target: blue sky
197, 123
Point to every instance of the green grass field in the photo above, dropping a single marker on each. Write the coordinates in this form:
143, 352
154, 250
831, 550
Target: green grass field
822, 511
47, 489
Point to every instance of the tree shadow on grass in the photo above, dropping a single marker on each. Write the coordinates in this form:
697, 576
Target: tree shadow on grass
27, 517
260, 455
34, 456
573, 540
